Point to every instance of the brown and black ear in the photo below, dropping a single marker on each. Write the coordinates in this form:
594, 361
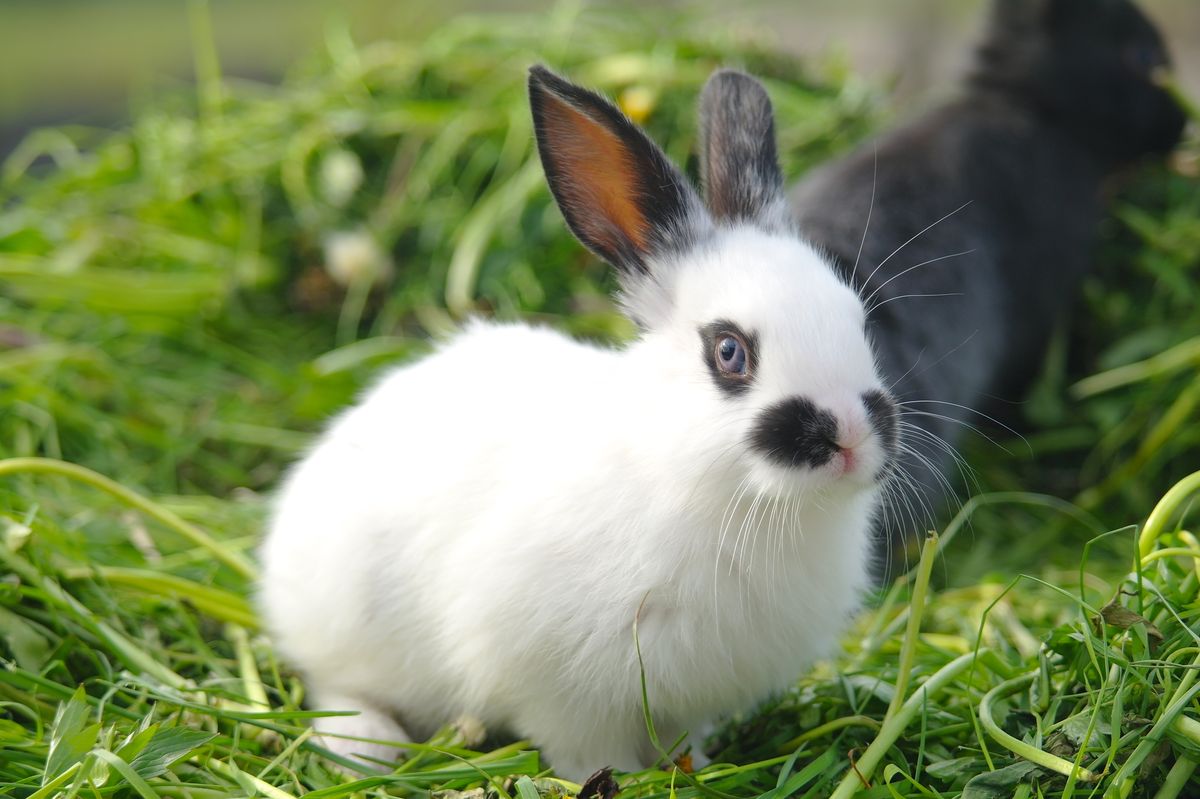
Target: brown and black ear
621, 196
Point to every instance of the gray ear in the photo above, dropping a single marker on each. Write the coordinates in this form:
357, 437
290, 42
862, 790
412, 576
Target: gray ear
738, 162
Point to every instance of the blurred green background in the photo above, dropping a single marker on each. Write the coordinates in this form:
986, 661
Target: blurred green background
67, 61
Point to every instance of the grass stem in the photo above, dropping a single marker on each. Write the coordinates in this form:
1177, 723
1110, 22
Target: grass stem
191, 532
908, 650
893, 727
1019, 747
1164, 510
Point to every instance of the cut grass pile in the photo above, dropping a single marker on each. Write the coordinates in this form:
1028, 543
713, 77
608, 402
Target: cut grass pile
169, 320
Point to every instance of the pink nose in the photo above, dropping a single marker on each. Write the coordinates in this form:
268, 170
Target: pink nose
849, 459
853, 430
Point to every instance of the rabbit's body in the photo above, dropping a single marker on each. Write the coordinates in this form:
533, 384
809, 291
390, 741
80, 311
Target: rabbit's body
477, 536
435, 575
970, 229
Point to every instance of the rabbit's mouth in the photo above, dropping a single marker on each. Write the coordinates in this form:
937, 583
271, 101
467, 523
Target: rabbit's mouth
850, 471
813, 493
861, 467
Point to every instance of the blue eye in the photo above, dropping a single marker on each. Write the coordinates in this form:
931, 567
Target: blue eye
731, 355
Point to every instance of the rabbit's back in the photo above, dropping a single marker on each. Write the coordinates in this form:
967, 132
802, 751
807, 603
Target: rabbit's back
389, 497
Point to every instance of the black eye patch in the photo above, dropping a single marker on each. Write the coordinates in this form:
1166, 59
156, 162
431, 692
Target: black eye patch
732, 384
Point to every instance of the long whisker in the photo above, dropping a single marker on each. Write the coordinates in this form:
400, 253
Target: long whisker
981, 414
919, 429
900, 515
867, 226
875, 308
759, 520
905, 489
917, 362
950, 494
932, 437
962, 423
901, 274
943, 357
891, 387
775, 537
727, 520
965, 471
747, 519
750, 527
879, 266
743, 537
928, 463
905, 477
943, 484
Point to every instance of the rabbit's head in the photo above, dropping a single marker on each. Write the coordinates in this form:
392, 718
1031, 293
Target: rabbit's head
731, 302
1091, 66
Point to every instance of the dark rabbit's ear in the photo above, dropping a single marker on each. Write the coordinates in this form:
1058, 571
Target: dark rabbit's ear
1020, 13
621, 196
1059, 14
1026, 15
739, 166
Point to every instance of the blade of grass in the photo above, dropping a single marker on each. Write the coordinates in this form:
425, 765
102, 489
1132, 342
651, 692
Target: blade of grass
234, 560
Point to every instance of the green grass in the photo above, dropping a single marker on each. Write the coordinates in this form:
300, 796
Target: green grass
169, 325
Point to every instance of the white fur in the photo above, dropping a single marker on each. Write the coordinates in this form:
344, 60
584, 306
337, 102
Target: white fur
477, 535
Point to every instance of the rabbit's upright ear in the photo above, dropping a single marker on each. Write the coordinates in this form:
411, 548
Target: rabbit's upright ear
739, 166
1027, 16
621, 196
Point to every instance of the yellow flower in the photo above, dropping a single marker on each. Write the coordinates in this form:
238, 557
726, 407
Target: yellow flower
637, 102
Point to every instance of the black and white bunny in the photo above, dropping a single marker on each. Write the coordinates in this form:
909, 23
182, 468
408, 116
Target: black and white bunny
969, 230
477, 535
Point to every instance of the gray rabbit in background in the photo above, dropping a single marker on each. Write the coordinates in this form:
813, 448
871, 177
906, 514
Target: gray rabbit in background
969, 230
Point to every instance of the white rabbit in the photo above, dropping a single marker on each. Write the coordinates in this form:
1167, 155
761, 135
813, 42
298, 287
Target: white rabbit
477, 535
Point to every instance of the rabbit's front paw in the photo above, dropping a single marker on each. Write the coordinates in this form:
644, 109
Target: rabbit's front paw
341, 734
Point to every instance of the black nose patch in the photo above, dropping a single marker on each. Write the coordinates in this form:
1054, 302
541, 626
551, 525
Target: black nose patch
882, 413
795, 432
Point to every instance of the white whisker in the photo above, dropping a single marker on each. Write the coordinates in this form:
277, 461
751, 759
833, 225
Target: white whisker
875, 308
867, 226
882, 285
910, 241
991, 419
